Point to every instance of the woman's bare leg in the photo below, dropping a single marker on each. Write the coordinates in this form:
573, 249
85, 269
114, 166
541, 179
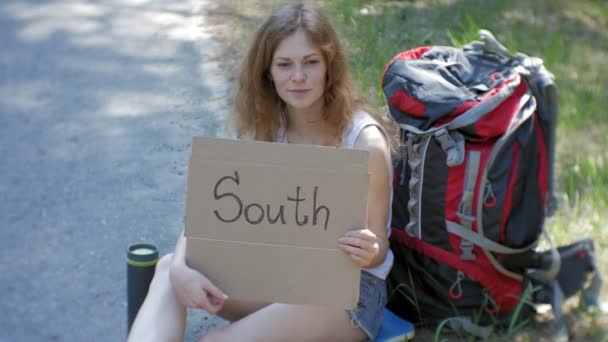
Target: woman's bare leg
161, 317
285, 322
235, 310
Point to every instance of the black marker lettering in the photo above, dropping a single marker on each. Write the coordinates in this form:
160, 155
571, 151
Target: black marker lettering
298, 200
259, 219
255, 213
316, 210
279, 214
230, 194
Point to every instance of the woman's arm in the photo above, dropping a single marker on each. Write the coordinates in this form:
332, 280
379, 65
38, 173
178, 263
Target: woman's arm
179, 255
193, 289
368, 247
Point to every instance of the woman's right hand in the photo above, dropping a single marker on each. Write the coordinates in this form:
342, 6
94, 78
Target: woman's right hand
194, 290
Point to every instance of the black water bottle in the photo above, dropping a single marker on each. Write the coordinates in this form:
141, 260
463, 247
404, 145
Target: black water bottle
141, 263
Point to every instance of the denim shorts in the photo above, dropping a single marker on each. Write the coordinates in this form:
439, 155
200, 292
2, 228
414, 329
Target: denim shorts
372, 299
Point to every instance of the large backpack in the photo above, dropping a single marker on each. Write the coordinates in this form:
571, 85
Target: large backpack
473, 186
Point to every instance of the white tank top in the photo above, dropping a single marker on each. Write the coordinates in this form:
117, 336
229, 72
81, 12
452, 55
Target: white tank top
360, 121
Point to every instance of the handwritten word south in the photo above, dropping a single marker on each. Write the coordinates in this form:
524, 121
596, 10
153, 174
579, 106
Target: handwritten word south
256, 213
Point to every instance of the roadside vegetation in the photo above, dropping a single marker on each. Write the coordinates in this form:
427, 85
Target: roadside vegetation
570, 36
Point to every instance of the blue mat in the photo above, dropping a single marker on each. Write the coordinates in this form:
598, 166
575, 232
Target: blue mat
394, 328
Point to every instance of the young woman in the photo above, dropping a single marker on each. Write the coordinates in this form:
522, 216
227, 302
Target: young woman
294, 87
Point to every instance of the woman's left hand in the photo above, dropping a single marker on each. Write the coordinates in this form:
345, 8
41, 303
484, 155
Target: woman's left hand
362, 245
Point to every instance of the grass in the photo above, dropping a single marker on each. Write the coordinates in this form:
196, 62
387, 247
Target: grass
570, 36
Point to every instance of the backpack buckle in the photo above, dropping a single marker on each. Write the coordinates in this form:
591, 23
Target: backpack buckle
466, 250
466, 217
453, 145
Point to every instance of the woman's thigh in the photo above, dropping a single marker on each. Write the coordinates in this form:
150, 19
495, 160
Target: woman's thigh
234, 310
287, 322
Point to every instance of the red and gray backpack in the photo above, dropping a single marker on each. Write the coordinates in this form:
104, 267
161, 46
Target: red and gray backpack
473, 187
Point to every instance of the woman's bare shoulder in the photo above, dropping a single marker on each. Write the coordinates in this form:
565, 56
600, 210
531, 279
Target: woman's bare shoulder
372, 139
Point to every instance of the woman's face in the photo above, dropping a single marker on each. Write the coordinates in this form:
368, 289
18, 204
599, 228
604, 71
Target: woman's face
298, 71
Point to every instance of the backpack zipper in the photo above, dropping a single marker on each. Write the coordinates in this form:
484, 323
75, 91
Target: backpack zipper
456, 288
489, 199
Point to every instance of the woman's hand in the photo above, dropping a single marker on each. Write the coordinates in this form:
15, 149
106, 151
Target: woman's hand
362, 245
194, 290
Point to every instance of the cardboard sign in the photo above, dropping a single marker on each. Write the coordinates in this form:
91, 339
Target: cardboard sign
263, 219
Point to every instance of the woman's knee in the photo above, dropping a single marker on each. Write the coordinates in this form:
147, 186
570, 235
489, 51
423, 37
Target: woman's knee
164, 263
163, 267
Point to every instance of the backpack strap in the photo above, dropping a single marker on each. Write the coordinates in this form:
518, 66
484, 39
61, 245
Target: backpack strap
465, 208
465, 323
491, 45
417, 148
481, 241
